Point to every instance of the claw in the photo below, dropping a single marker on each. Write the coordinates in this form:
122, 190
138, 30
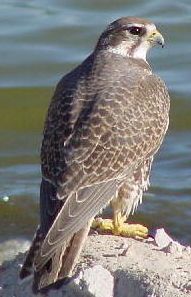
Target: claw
123, 229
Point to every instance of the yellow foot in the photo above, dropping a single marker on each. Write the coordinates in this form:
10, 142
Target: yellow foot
123, 229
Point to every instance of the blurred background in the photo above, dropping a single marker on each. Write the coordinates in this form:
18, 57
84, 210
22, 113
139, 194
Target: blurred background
39, 42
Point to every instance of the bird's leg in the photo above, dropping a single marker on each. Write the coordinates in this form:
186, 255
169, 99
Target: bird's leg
117, 226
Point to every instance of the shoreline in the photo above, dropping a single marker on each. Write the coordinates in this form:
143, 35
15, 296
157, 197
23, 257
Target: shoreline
112, 266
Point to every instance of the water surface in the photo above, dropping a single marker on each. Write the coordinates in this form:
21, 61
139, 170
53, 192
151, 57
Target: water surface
40, 42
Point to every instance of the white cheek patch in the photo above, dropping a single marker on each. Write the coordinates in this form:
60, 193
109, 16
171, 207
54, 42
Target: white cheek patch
141, 51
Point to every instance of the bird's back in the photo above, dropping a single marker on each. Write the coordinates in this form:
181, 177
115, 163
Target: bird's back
106, 117
104, 77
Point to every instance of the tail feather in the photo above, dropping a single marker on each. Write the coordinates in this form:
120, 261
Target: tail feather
62, 262
50, 271
70, 258
27, 268
48, 274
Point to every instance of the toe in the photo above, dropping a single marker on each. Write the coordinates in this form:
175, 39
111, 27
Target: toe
134, 231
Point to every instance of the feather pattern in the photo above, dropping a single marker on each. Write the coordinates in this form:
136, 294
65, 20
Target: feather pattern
106, 120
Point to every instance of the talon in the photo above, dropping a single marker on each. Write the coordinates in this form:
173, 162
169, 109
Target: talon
118, 227
134, 231
96, 223
103, 224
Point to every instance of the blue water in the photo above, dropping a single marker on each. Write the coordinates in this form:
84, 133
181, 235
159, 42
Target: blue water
40, 42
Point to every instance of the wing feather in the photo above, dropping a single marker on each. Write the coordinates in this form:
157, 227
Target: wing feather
78, 209
127, 131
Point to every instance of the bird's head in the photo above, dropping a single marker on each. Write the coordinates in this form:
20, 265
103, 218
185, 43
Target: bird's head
131, 37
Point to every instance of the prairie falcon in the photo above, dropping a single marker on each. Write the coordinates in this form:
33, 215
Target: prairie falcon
105, 122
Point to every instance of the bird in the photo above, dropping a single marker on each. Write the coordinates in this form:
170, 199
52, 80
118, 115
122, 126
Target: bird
106, 121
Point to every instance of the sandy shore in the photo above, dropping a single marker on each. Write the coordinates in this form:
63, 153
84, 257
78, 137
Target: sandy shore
112, 266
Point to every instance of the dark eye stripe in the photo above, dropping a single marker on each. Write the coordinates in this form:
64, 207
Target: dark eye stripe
135, 30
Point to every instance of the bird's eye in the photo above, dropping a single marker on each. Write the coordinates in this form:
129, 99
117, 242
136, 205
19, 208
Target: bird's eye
135, 30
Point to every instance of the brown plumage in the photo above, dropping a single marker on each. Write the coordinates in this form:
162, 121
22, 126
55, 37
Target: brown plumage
105, 122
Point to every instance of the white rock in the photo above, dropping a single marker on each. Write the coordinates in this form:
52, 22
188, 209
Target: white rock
162, 239
97, 280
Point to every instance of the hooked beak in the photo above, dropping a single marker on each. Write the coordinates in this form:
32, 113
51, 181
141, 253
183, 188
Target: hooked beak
155, 38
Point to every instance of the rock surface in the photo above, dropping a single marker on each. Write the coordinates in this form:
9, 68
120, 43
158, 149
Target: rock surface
112, 266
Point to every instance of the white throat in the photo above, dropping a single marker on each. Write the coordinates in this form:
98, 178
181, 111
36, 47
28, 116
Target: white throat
138, 53
141, 51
